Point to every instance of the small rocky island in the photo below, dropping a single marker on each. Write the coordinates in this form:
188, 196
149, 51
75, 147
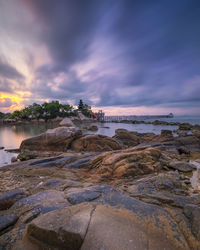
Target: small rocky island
78, 191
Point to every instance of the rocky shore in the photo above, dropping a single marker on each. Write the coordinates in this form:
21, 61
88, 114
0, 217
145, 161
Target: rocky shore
76, 191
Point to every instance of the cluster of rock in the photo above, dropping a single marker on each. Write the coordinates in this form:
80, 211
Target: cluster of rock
97, 192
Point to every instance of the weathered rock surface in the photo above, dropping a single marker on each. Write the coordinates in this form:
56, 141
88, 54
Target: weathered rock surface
43, 202
182, 166
122, 199
125, 163
63, 229
128, 138
7, 221
57, 139
84, 196
9, 198
95, 143
119, 223
66, 122
193, 214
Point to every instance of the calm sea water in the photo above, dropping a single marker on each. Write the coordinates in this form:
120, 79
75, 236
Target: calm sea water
12, 136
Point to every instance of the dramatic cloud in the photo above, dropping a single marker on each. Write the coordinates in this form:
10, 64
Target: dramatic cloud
110, 53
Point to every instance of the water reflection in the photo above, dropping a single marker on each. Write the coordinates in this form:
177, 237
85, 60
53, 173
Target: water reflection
12, 136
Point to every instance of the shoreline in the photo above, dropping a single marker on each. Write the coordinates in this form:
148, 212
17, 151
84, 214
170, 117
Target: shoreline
127, 180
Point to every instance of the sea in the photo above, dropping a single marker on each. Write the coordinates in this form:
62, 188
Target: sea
12, 136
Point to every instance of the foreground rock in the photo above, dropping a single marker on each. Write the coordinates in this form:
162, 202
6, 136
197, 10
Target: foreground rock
118, 223
122, 199
95, 143
57, 139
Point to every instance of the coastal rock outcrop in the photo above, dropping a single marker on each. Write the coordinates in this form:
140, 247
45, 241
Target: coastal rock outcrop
95, 143
57, 139
129, 162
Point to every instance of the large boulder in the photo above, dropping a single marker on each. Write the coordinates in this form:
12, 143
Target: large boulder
66, 122
95, 143
129, 224
57, 139
124, 163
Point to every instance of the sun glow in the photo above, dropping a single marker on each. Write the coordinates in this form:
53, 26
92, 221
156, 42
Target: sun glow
15, 100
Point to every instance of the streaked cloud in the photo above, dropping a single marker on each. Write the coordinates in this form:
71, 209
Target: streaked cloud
134, 56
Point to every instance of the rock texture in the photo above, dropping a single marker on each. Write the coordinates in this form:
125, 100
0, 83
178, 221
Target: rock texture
128, 198
128, 138
57, 139
129, 162
95, 143
9, 198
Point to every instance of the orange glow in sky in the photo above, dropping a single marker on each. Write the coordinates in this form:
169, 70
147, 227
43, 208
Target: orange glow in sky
16, 100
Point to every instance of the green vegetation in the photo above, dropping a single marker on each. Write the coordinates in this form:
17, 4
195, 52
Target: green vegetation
4, 115
47, 111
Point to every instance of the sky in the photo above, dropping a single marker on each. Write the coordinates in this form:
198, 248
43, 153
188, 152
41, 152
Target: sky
126, 57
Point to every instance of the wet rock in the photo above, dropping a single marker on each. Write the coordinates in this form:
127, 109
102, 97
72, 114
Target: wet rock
9, 198
126, 137
66, 122
57, 139
95, 143
182, 166
1, 148
7, 221
85, 196
63, 229
193, 213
